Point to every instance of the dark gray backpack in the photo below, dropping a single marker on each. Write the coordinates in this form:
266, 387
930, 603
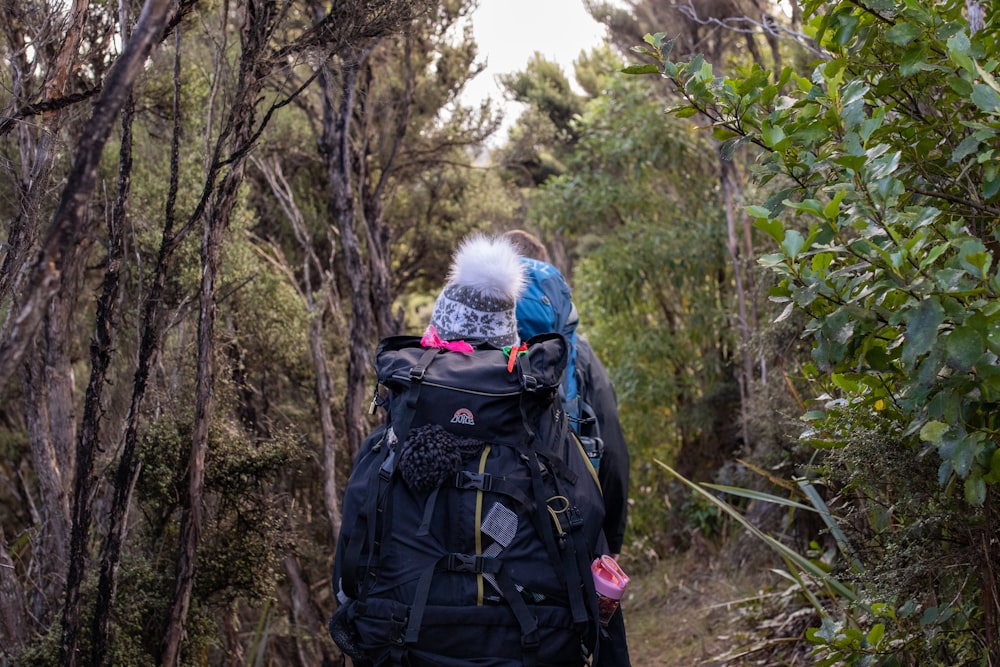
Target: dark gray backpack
471, 517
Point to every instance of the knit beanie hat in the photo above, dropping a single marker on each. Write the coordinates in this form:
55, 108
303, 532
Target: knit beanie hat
479, 301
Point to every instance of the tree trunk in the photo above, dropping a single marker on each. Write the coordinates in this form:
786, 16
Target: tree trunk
59, 439
35, 141
306, 615
90, 426
12, 608
335, 147
127, 472
745, 375
52, 541
71, 224
24, 228
256, 31
191, 520
48, 378
55, 85
324, 399
378, 234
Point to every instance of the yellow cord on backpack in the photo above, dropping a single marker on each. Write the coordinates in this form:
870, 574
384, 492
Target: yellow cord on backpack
554, 513
479, 520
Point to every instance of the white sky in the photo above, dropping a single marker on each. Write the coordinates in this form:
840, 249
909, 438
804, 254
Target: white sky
508, 32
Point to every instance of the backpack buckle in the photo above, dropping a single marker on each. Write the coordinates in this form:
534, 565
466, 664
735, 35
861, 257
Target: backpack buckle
569, 519
530, 642
388, 466
470, 563
481, 481
417, 373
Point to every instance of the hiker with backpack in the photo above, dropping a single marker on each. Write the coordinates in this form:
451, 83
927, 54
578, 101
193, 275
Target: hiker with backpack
472, 516
546, 305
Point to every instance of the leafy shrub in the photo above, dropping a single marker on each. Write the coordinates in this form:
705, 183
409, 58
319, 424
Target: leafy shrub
883, 209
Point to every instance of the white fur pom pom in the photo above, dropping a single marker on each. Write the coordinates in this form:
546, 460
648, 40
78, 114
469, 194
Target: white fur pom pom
490, 266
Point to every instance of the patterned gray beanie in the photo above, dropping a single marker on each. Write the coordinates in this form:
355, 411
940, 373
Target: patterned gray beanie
479, 302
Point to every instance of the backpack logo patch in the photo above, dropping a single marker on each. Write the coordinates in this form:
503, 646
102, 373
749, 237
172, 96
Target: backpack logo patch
463, 416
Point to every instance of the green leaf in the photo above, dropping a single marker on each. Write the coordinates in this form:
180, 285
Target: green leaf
944, 472
985, 98
809, 205
697, 68
827, 631
832, 208
641, 69
872, 124
922, 324
875, 635
883, 165
771, 260
771, 135
991, 186
852, 162
933, 432
975, 258
822, 261
965, 346
915, 59
847, 30
959, 43
758, 495
838, 327
792, 244
848, 383
968, 146
932, 256
960, 86
975, 491
903, 33
964, 455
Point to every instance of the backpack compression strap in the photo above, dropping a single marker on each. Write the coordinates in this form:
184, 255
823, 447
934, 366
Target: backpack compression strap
478, 564
378, 488
571, 552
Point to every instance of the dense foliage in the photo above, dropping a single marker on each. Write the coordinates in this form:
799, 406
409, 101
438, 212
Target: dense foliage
651, 281
882, 199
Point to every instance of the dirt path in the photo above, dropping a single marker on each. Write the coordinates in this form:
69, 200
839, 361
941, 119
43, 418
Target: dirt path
694, 610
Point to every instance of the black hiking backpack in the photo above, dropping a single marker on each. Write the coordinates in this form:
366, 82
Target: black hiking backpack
471, 516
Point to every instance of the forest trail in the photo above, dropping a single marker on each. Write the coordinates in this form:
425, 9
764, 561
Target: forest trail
696, 609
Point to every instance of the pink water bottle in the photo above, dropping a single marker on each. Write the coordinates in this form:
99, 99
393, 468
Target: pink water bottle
610, 581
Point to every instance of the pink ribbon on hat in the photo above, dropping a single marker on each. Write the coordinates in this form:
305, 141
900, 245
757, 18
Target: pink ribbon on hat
431, 339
